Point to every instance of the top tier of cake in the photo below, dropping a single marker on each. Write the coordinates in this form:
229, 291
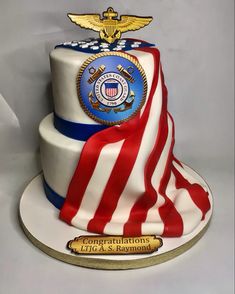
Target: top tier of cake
66, 60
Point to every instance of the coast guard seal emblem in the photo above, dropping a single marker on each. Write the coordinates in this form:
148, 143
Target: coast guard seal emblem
111, 87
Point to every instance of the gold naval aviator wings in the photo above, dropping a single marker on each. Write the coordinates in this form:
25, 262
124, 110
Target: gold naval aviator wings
110, 27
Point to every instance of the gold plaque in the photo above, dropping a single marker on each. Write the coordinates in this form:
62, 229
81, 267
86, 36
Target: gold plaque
118, 245
110, 27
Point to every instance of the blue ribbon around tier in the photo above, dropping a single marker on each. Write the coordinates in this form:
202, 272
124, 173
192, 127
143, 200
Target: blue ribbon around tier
93, 45
52, 196
76, 131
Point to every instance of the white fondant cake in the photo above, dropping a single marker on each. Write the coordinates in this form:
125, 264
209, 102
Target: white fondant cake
122, 179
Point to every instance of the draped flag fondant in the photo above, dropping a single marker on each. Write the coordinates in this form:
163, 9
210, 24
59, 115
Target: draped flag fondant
127, 181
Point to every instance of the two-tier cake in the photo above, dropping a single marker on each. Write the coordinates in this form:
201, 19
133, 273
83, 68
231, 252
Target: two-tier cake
107, 150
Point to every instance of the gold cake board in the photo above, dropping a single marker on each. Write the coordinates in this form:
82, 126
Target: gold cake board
39, 220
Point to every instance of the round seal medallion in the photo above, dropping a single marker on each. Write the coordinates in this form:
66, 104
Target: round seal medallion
111, 87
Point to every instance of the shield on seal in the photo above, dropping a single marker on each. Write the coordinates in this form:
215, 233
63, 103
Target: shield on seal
111, 88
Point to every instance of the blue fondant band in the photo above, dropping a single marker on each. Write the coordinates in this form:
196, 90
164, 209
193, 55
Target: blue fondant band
77, 131
52, 196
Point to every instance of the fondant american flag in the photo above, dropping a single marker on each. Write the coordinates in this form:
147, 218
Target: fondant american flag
127, 181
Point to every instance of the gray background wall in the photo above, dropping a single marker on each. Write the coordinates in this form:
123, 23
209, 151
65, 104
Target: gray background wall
196, 40
196, 43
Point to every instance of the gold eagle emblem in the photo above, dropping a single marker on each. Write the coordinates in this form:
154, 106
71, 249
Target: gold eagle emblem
110, 27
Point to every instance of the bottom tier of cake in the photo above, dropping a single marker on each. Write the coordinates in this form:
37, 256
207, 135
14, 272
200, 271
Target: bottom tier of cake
180, 204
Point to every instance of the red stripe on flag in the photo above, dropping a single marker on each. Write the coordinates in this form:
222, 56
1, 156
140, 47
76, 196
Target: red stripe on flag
196, 192
125, 162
